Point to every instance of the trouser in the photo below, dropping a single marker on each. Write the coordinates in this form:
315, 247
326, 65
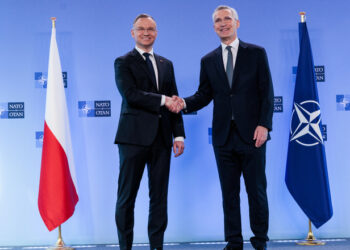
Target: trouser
133, 159
233, 159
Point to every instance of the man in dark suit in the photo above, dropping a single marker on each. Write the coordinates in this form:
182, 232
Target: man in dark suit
145, 81
237, 77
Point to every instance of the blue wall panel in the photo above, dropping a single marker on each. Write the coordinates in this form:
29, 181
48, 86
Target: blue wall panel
90, 35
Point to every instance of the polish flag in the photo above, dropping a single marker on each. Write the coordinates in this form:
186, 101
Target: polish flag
57, 191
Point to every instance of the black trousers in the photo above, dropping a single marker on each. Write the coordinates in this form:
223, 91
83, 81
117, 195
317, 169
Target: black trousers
133, 159
233, 159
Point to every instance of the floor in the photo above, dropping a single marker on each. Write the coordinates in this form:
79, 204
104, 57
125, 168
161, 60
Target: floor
330, 244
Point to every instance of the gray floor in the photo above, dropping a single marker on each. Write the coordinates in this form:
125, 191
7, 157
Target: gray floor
331, 244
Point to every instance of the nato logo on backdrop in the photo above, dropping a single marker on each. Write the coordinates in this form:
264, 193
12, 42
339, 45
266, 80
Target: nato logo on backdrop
343, 102
41, 79
12, 110
94, 108
319, 72
278, 104
39, 139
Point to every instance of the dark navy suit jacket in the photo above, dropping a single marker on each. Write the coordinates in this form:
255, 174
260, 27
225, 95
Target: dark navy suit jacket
141, 111
250, 99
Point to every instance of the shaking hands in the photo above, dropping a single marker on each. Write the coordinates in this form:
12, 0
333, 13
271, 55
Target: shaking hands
175, 104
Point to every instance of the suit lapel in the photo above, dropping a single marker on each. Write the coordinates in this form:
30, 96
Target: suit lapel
220, 67
140, 61
239, 61
160, 68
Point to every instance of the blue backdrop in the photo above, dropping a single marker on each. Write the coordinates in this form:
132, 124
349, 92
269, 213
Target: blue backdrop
90, 35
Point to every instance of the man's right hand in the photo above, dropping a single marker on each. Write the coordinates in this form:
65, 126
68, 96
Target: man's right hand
175, 104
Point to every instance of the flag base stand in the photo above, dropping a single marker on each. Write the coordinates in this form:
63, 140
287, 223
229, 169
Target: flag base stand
310, 239
60, 243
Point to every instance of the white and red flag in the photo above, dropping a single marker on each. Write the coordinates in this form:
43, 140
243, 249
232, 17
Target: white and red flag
58, 190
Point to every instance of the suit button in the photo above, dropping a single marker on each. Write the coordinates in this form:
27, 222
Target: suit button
160, 116
231, 95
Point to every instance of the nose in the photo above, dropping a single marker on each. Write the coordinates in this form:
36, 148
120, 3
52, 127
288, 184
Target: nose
222, 24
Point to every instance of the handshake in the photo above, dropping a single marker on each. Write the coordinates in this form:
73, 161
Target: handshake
175, 104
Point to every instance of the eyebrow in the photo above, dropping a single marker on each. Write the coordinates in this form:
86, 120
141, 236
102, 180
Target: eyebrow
145, 27
225, 17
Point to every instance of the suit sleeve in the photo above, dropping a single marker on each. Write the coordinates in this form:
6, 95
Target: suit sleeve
176, 119
265, 92
129, 91
204, 94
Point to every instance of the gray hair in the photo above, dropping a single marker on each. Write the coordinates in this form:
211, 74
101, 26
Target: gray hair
225, 7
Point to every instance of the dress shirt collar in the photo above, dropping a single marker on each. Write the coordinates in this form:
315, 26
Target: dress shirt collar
142, 51
234, 45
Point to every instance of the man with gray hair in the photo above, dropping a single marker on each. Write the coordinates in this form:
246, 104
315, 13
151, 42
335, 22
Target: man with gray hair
237, 77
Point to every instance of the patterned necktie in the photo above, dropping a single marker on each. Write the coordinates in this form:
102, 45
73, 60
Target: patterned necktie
150, 67
229, 66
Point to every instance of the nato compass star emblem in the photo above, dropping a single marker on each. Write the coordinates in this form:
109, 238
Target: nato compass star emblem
42, 80
86, 109
343, 102
41, 139
2, 112
305, 126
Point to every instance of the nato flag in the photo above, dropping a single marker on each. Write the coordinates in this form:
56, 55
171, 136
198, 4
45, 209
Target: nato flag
306, 171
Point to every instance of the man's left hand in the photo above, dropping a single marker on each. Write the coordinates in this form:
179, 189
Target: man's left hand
260, 136
178, 148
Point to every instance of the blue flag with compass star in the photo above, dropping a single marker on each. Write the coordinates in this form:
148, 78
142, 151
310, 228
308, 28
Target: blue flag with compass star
306, 171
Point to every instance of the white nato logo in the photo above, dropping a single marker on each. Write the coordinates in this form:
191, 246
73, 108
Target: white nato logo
2, 110
85, 108
343, 102
305, 126
42, 80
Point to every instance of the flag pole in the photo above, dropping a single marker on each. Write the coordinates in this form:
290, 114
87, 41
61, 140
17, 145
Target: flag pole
60, 243
53, 19
302, 16
310, 238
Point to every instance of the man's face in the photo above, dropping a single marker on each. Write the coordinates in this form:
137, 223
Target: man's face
144, 32
225, 25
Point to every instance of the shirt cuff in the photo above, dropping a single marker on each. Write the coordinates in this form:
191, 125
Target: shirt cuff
184, 103
162, 102
179, 138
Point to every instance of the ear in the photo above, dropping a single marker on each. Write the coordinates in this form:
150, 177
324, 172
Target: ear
238, 23
132, 33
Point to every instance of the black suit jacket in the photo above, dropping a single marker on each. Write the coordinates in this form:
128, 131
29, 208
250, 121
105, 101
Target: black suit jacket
250, 99
141, 111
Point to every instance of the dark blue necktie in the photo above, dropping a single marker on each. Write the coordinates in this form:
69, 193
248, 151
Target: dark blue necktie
150, 67
229, 66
